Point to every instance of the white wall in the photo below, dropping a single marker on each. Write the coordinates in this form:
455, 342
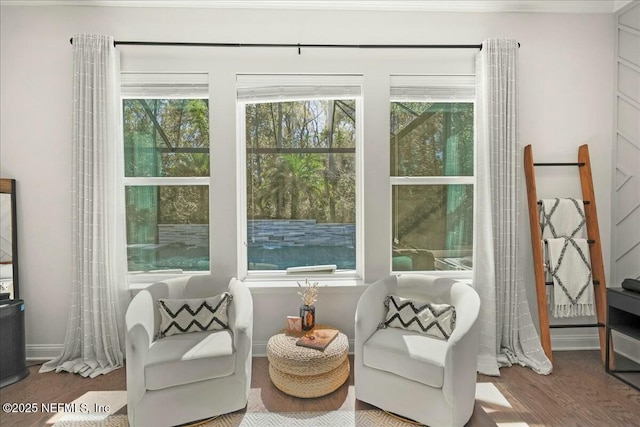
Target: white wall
566, 100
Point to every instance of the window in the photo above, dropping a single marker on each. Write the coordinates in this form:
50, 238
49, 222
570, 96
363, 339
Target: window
299, 136
166, 164
432, 172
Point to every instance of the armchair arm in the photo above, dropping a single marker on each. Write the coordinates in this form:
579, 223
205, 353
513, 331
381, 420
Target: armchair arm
370, 312
461, 359
136, 358
139, 321
242, 325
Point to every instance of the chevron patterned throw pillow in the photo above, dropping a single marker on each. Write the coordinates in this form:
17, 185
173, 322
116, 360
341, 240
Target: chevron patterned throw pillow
437, 320
180, 316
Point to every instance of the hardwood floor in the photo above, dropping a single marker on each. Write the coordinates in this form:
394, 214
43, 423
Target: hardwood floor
577, 393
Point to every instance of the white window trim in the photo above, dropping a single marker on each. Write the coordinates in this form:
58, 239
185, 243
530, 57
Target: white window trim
277, 278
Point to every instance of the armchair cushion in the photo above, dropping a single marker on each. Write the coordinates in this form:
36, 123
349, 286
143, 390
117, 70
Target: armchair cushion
408, 354
438, 320
187, 358
194, 315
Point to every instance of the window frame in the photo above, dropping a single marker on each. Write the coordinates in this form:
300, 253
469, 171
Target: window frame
140, 85
275, 277
442, 89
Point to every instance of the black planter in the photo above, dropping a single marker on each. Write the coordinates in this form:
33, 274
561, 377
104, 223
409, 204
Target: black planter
308, 315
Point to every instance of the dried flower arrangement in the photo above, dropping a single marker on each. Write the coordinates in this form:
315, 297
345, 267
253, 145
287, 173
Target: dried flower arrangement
309, 293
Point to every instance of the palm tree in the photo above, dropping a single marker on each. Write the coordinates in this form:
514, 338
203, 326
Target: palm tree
293, 179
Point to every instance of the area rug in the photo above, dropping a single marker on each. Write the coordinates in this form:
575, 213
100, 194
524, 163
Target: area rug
364, 418
488, 397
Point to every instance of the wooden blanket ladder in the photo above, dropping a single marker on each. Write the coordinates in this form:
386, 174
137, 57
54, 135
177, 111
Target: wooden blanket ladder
595, 249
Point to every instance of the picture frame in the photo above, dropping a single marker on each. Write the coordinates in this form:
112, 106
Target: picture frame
294, 325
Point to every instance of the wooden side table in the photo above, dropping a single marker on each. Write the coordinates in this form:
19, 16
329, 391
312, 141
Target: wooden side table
623, 316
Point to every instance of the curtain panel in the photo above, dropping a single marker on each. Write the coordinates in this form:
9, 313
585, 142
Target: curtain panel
507, 335
94, 337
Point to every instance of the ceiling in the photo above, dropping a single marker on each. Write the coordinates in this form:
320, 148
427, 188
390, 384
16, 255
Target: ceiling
533, 6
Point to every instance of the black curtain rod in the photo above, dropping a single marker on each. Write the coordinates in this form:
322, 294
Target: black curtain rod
305, 45
300, 45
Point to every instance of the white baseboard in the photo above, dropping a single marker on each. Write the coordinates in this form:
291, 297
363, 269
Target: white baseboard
42, 352
567, 342
624, 345
259, 348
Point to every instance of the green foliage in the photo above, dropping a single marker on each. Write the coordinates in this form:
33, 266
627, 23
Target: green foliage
292, 183
432, 140
291, 171
301, 164
165, 138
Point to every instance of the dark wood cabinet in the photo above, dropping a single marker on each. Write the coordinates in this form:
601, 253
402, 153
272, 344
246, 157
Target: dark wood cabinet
623, 316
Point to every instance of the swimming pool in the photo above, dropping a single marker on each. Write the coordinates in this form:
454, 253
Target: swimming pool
266, 257
281, 258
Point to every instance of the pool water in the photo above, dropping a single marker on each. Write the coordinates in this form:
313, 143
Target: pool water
281, 258
188, 258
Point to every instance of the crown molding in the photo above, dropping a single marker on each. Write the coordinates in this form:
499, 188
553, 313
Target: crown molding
530, 6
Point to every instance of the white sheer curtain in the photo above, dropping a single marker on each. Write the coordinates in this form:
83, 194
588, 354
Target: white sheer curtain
93, 343
508, 335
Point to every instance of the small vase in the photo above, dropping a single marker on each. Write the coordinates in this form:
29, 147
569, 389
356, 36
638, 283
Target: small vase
308, 315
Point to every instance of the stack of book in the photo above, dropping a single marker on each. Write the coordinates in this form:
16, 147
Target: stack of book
318, 338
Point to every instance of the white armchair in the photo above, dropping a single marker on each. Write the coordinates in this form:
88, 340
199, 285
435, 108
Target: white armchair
426, 379
187, 377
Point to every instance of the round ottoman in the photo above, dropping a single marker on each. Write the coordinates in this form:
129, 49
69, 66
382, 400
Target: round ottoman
306, 372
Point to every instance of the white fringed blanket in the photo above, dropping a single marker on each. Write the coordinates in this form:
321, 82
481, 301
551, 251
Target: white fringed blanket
562, 218
568, 263
570, 267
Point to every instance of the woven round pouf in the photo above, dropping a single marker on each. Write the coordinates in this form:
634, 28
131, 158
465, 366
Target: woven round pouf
305, 372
